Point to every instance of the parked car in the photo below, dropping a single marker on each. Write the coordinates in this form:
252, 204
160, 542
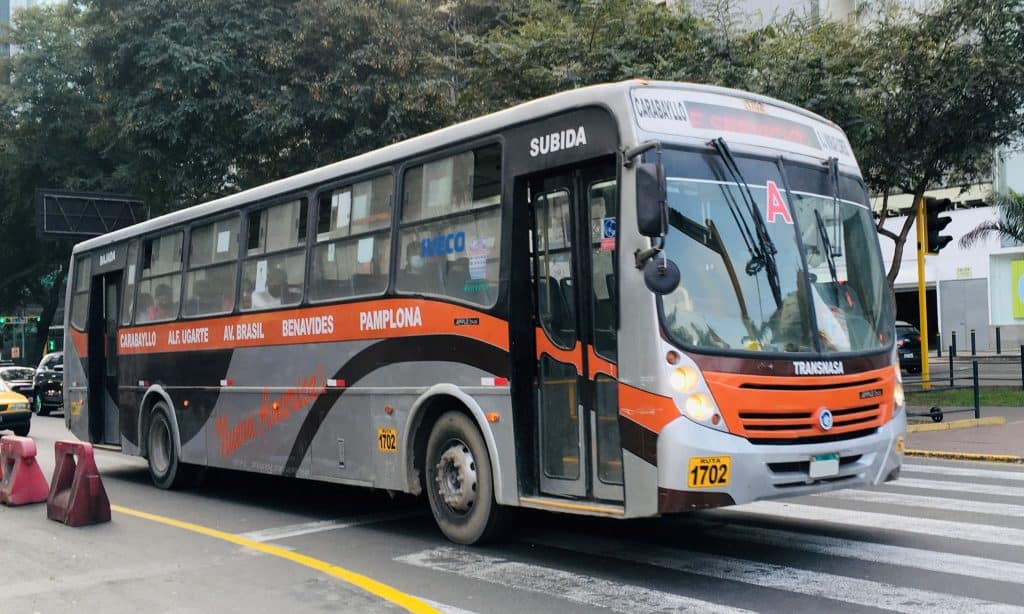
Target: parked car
908, 345
15, 412
20, 380
49, 384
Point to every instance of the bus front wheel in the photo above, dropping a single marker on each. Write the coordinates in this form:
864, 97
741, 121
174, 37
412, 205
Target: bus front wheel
165, 468
459, 482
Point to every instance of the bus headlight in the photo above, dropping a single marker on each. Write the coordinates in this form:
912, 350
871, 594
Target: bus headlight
898, 398
699, 407
683, 379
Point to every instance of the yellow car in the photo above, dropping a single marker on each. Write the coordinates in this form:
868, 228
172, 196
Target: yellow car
15, 413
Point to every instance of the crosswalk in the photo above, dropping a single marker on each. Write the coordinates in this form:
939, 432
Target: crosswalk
940, 539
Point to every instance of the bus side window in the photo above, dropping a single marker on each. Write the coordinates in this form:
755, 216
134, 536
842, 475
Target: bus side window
274, 273
451, 227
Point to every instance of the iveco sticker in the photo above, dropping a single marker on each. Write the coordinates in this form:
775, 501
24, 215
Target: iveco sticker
451, 243
818, 367
557, 141
825, 419
871, 394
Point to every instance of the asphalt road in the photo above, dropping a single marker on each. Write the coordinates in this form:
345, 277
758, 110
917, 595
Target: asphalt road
946, 537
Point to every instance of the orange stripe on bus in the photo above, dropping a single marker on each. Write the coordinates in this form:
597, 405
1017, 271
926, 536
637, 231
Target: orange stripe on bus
573, 356
379, 319
596, 365
80, 341
650, 410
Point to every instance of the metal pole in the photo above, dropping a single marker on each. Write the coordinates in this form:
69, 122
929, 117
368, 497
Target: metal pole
951, 365
1022, 367
952, 345
977, 390
999, 342
922, 303
973, 351
938, 344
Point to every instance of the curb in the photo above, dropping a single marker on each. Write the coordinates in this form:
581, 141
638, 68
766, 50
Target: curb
956, 424
972, 456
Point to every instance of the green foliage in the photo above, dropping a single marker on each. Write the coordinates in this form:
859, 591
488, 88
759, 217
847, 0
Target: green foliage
1009, 226
178, 101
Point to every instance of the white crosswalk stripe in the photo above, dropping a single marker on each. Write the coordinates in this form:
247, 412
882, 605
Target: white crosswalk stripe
878, 521
964, 472
916, 558
856, 591
578, 588
962, 487
935, 503
782, 558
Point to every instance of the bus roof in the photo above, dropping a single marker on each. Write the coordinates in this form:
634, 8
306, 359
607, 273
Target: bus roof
614, 96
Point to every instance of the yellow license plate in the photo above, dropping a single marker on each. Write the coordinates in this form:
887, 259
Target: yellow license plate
709, 471
387, 439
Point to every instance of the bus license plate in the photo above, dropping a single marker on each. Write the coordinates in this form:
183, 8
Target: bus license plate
709, 471
908, 355
824, 465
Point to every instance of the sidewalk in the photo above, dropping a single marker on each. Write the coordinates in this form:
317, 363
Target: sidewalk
991, 442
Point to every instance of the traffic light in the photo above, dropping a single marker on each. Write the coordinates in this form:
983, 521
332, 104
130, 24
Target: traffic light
3, 321
935, 223
51, 345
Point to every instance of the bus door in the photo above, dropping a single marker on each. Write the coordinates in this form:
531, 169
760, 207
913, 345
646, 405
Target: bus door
104, 306
573, 246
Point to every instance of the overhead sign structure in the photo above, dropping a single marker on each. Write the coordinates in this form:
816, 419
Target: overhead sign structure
66, 214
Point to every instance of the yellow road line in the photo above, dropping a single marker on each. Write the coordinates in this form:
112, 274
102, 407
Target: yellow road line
974, 456
368, 584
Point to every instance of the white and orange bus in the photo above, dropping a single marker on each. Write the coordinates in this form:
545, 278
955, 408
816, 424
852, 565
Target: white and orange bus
624, 300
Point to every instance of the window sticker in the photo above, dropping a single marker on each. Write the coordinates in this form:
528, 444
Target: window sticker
777, 205
131, 273
223, 241
364, 250
478, 258
342, 203
609, 228
261, 276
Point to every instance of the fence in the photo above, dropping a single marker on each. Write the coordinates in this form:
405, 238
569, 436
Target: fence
961, 375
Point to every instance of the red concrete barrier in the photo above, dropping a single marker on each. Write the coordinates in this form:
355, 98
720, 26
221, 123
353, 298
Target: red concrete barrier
77, 496
21, 479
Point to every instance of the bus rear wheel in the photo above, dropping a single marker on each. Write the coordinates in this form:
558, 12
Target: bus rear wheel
165, 468
459, 482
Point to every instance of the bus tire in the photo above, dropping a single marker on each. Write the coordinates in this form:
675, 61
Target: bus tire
165, 468
459, 481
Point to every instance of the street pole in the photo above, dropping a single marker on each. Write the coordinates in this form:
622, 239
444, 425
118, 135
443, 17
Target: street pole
922, 303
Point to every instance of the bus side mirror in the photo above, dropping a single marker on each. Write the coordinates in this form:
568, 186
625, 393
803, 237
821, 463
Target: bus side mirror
661, 275
651, 199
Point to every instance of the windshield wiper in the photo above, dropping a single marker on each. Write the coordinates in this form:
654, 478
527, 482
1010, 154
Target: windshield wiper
829, 254
833, 172
763, 254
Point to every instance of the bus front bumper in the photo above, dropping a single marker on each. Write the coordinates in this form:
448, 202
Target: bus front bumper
758, 472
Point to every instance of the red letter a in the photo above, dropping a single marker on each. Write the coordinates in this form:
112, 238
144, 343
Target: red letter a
776, 205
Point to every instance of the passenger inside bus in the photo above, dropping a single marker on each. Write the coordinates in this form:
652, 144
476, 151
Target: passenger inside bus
414, 275
164, 306
142, 307
277, 280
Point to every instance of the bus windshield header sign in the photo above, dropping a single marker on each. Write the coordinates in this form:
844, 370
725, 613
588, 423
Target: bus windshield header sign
701, 114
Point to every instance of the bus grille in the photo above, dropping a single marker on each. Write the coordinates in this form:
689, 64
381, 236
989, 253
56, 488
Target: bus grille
784, 410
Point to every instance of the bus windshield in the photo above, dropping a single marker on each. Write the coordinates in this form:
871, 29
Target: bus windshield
775, 257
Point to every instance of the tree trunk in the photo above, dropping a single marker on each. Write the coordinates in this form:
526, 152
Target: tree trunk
54, 298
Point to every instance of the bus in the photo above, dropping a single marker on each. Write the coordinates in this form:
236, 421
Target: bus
624, 300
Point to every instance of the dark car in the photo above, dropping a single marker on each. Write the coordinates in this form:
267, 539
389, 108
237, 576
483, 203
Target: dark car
49, 384
19, 379
908, 345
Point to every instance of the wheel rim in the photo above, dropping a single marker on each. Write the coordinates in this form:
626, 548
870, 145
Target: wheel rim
159, 447
456, 477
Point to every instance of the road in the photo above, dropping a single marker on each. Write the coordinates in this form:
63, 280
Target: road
946, 537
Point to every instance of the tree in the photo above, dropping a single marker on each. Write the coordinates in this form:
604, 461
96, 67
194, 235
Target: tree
48, 113
944, 89
1009, 226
